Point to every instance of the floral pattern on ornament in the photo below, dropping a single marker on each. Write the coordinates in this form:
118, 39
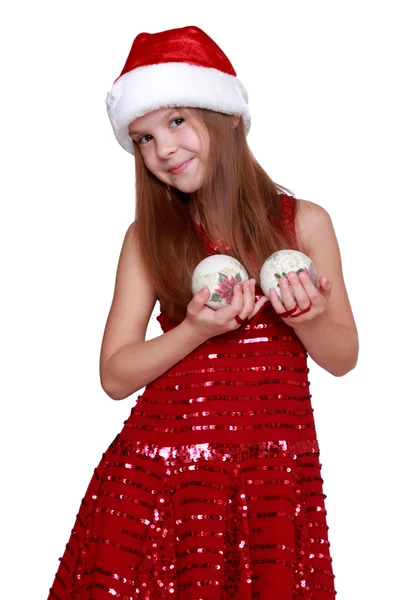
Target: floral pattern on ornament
224, 291
311, 272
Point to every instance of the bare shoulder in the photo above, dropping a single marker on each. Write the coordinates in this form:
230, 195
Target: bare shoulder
309, 217
133, 300
318, 237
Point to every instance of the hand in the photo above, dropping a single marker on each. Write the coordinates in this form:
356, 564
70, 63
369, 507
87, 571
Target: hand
209, 323
305, 293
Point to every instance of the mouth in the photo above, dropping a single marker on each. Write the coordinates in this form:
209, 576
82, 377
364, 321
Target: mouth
181, 167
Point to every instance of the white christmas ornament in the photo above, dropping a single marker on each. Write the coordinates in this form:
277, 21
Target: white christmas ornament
279, 264
219, 273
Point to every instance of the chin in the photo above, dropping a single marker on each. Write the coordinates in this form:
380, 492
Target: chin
188, 189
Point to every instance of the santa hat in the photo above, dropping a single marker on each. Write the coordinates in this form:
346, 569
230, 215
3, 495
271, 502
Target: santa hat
178, 67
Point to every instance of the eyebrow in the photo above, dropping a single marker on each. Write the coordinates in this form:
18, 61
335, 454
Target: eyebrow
133, 132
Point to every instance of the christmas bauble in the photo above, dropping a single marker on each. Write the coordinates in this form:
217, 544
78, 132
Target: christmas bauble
219, 273
279, 264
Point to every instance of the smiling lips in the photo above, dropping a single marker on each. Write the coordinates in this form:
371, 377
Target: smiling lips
181, 167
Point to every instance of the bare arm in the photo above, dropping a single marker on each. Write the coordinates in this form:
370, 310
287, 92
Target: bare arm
332, 346
128, 361
133, 366
332, 342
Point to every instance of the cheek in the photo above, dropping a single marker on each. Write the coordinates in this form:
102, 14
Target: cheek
153, 165
192, 141
204, 144
149, 161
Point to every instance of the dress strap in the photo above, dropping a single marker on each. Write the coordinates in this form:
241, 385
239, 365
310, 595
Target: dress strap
288, 219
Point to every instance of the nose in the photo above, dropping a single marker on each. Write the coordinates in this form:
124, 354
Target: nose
166, 146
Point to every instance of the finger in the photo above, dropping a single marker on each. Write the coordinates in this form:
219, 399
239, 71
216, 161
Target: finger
313, 293
275, 299
300, 291
248, 297
258, 306
203, 296
277, 303
325, 285
236, 304
198, 301
288, 298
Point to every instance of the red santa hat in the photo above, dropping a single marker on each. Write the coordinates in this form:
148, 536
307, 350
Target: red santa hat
178, 67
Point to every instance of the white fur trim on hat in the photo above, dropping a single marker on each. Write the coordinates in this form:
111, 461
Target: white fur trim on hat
148, 88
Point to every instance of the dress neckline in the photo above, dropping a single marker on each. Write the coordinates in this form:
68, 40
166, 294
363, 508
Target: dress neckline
220, 248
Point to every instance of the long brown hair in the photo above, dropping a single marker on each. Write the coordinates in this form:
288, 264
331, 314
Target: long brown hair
238, 203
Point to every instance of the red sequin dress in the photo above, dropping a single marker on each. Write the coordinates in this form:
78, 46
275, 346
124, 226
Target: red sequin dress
213, 488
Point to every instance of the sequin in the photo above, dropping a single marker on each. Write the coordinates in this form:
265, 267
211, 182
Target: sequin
213, 487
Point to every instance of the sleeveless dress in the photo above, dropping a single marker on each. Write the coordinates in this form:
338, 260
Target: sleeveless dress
213, 488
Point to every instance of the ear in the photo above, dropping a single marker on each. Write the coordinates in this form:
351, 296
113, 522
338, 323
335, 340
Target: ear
235, 120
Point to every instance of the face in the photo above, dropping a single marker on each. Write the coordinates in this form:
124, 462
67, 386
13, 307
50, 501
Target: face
171, 148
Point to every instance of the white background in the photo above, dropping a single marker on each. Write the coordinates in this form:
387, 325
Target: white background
322, 80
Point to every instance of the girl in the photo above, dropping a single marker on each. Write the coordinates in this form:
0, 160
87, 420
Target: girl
213, 488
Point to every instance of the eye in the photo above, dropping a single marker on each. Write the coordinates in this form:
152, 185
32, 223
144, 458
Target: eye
177, 119
146, 138
142, 138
